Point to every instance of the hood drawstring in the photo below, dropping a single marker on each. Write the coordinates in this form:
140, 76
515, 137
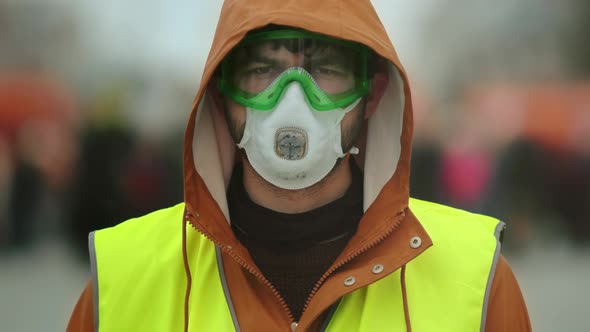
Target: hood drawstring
405, 299
187, 269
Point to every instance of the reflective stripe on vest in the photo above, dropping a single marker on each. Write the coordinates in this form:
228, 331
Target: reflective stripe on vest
140, 280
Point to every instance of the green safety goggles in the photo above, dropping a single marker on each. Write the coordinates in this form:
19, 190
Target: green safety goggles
332, 72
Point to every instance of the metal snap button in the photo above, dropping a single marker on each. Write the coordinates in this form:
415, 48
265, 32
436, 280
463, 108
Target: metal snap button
415, 242
349, 281
377, 268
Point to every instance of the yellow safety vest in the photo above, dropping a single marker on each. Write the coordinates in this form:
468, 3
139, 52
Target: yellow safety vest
140, 281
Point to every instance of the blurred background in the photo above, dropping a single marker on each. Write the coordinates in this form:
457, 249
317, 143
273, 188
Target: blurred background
94, 96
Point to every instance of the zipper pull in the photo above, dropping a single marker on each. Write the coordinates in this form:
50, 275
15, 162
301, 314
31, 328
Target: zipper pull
294, 326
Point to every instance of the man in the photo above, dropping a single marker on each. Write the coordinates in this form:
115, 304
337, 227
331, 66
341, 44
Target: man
307, 225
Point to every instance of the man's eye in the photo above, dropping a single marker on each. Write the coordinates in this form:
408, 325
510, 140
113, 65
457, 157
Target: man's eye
328, 71
261, 70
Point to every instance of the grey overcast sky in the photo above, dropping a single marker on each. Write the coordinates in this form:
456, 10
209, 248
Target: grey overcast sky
179, 32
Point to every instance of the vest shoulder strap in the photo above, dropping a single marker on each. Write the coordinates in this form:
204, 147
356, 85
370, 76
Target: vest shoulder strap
447, 286
140, 279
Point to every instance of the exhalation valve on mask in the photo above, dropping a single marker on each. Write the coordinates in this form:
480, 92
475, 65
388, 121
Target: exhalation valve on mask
293, 146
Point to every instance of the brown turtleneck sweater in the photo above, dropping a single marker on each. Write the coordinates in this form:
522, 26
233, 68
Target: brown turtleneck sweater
294, 250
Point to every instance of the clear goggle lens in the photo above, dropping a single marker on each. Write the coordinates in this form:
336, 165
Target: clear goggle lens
332, 72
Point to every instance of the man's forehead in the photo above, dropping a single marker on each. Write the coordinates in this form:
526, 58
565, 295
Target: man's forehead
275, 48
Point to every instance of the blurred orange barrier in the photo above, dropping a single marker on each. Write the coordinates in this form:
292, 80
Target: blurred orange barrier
25, 97
551, 114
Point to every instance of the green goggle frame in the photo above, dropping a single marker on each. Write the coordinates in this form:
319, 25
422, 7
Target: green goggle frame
319, 100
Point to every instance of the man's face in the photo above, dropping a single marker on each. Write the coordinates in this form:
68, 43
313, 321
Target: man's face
333, 69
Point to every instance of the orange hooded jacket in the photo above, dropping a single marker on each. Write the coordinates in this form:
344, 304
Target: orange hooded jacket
387, 225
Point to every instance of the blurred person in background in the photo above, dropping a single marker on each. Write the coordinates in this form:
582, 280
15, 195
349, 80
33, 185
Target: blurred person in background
5, 185
27, 186
466, 164
38, 119
119, 175
427, 149
517, 191
541, 182
575, 207
106, 141
150, 177
300, 135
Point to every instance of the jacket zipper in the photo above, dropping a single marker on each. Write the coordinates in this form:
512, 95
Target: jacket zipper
228, 250
341, 263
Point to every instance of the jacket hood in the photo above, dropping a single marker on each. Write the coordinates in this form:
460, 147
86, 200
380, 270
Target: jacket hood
385, 147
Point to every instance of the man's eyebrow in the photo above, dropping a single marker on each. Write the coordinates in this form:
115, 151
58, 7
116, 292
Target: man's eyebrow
264, 59
328, 55
328, 58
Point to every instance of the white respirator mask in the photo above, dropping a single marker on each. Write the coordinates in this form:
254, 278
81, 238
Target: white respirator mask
294, 146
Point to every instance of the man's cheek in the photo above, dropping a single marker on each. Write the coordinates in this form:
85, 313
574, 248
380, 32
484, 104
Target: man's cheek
236, 121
